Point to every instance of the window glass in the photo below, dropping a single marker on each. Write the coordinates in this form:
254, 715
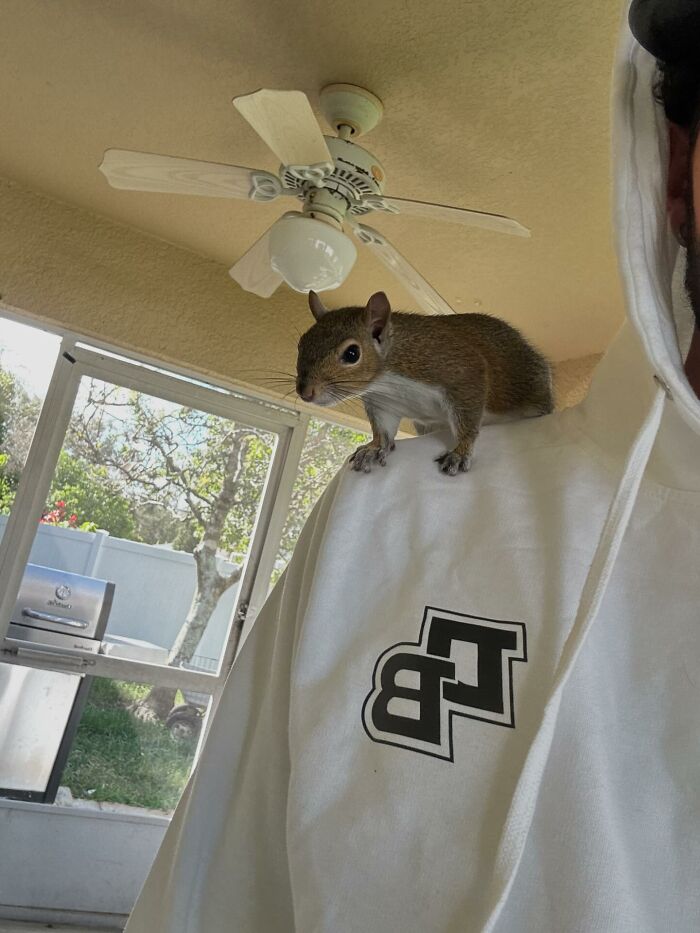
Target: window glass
118, 757
160, 500
27, 359
139, 555
326, 449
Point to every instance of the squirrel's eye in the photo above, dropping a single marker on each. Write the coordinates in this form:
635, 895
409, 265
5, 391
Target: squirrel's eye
351, 354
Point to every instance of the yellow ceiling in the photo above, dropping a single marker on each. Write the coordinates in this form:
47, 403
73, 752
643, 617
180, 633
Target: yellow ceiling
497, 106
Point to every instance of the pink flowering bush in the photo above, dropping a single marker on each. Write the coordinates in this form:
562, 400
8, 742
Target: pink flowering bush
60, 517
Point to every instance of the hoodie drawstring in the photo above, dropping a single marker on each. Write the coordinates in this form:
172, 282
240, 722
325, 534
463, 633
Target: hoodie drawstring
522, 807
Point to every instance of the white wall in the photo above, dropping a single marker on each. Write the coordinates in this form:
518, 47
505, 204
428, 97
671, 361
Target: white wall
64, 864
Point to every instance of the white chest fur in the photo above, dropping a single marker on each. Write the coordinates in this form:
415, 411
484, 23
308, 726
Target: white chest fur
400, 397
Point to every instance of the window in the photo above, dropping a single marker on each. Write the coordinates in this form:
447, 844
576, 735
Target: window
187, 500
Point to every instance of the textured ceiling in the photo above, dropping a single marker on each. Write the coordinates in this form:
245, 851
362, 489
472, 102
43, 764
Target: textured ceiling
498, 106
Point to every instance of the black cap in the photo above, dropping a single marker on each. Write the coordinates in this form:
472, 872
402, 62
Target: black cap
669, 29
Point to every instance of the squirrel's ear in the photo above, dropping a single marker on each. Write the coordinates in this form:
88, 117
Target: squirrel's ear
316, 306
377, 314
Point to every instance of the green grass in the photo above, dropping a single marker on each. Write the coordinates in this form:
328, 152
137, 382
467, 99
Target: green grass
117, 758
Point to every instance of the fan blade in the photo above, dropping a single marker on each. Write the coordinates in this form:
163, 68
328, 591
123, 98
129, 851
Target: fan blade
147, 171
286, 122
253, 271
424, 293
456, 215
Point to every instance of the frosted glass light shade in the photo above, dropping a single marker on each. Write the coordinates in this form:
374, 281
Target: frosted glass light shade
310, 254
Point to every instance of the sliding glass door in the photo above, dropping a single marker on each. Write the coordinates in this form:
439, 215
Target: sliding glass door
165, 496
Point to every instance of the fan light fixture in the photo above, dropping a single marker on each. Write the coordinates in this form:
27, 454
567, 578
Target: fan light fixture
338, 181
309, 253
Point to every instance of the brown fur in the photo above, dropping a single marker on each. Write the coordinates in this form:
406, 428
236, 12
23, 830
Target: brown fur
480, 362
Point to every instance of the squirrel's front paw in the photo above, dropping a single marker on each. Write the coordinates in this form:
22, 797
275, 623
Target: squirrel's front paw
452, 463
363, 458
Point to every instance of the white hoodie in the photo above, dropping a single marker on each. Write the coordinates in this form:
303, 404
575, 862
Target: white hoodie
473, 704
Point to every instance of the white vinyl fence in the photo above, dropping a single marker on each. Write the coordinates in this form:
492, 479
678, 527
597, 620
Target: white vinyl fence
154, 585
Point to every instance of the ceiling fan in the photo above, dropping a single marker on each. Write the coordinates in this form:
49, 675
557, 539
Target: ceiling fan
337, 181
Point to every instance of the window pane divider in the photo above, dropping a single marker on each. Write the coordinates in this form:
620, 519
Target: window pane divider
278, 517
174, 389
102, 665
35, 481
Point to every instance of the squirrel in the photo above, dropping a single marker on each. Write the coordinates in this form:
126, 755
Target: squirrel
447, 371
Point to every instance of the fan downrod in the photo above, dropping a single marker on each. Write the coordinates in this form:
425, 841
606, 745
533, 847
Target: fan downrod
352, 111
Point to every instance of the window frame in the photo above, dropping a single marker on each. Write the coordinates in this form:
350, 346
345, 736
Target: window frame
77, 359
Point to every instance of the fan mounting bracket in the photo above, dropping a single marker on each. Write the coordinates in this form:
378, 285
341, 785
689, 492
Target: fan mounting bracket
326, 205
347, 105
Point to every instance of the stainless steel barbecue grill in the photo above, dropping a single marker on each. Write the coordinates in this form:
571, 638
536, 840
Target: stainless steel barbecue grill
59, 617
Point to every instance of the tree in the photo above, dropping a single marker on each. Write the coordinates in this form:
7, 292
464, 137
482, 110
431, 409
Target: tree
82, 488
205, 469
157, 524
86, 490
19, 412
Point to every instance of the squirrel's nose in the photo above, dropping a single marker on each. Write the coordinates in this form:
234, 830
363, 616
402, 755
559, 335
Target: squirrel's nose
306, 392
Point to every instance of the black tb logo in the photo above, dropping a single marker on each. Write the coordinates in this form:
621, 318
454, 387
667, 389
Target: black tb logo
461, 666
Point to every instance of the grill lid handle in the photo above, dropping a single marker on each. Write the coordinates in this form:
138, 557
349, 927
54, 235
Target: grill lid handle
47, 617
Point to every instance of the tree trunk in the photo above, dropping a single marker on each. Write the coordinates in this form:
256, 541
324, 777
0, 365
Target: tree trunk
211, 585
160, 700
156, 705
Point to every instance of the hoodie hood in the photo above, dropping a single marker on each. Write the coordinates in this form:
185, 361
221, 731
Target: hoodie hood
652, 344
655, 408
647, 250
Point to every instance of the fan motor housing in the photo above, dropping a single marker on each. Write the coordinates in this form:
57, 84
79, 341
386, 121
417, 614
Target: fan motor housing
357, 174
